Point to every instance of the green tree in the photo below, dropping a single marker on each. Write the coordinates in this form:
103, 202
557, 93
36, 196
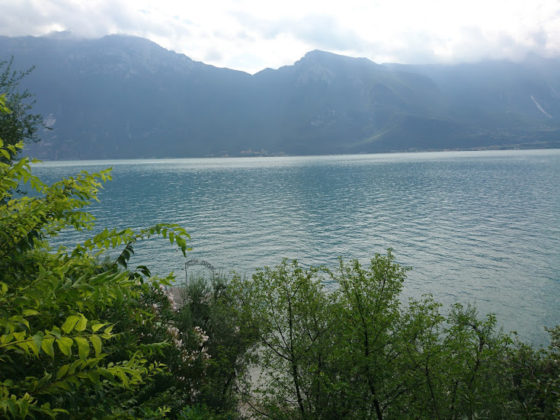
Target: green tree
287, 308
79, 334
215, 342
535, 375
343, 344
20, 124
369, 314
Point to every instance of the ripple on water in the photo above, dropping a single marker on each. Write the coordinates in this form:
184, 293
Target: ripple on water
477, 227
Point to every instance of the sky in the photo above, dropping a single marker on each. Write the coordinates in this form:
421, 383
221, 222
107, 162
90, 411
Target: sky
251, 35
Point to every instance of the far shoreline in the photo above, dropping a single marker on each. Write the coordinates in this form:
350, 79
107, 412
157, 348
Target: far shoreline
449, 152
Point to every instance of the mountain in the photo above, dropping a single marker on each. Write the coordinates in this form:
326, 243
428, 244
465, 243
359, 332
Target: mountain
126, 97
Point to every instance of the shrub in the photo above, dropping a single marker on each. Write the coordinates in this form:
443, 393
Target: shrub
78, 336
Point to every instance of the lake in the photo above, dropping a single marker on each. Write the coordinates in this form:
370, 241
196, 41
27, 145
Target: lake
476, 227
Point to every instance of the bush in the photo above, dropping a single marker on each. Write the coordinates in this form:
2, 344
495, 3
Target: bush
357, 351
78, 336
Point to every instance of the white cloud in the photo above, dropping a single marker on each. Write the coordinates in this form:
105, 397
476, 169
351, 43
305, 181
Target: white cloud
252, 34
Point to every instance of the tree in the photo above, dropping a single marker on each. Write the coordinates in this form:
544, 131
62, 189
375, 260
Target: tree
369, 310
343, 344
535, 375
20, 124
80, 333
216, 341
286, 306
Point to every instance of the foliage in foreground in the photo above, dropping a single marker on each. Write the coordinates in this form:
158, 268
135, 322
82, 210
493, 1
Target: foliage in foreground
355, 351
84, 335
78, 335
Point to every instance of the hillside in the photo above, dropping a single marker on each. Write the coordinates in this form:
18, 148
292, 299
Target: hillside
126, 97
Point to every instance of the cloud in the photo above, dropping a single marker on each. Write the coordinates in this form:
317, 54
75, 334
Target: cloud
252, 34
213, 55
318, 30
94, 18
325, 32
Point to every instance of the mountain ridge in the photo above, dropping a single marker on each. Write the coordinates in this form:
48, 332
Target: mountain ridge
126, 97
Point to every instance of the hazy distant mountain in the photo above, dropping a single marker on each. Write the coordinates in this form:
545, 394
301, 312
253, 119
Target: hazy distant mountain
122, 96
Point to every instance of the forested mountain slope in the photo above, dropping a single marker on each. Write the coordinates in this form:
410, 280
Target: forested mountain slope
122, 96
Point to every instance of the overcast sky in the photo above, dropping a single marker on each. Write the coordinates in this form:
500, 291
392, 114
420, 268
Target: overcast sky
250, 35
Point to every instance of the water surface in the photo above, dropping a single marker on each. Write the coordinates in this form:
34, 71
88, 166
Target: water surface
480, 227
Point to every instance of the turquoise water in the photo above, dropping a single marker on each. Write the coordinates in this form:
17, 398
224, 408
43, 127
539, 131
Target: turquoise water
476, 227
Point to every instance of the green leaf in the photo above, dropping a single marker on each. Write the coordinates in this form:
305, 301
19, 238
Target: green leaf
20, 336
76, 364
93, 376
97, 327
97, 344
47, 346
62, 371
81, 324
83, 347
36, 343
30, 312
70, 323
65, 345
